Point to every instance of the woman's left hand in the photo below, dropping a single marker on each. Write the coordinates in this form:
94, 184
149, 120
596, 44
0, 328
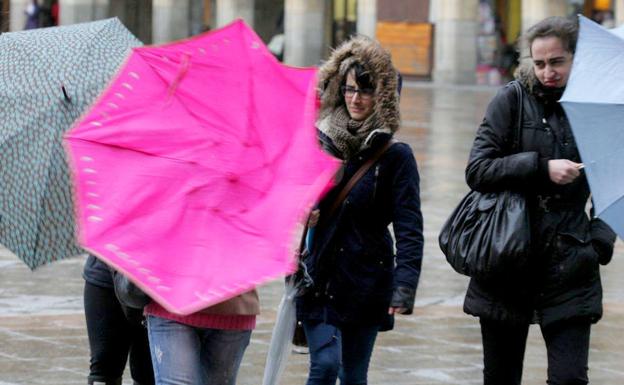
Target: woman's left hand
396, 310
563, 171
314, 217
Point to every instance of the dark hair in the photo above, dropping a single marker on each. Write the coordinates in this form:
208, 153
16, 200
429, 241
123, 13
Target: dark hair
362, 76
564, 28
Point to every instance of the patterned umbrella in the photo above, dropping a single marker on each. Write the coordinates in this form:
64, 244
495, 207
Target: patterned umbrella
48, 78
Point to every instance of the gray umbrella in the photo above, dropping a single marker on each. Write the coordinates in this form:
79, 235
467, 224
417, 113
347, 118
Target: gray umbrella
594, 103
48, 78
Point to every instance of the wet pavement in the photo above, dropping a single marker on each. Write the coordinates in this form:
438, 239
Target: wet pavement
42, 329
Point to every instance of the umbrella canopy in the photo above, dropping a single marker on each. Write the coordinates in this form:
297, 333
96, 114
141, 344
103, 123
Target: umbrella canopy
195, 166
594, 103
48, 78
619, 31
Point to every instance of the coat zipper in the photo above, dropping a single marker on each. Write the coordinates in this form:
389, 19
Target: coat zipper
375, 182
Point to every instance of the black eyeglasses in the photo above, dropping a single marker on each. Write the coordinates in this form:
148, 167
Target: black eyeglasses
364, 93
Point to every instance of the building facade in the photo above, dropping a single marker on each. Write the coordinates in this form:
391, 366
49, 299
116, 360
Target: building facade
449, 41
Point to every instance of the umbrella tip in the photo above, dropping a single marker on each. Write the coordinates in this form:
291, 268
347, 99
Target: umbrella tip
67, 98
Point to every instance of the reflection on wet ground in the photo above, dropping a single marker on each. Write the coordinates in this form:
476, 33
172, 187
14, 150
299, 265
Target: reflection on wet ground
42, 329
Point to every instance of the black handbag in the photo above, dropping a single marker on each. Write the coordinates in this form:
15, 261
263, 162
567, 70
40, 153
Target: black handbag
128, 293
488, 235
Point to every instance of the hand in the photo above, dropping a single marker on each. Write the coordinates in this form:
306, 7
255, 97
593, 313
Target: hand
396, 310
563, 171
314, 217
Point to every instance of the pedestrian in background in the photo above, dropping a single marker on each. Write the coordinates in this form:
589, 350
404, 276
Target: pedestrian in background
359, 283
48, 15
561, 289
55, 12
115, 331
32, 15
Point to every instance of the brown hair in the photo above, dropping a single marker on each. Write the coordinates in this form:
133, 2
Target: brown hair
563, 28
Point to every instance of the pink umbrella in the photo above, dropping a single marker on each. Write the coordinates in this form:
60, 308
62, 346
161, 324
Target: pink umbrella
194, 168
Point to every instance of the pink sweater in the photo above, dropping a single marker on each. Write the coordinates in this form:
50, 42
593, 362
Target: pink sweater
205, 321
238, 313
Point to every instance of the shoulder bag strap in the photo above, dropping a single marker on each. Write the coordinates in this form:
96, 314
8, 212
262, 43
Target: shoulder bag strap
356, 177
518, 136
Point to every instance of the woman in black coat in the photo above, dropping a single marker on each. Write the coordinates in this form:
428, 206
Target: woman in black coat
560, 288
116, 332
359, 282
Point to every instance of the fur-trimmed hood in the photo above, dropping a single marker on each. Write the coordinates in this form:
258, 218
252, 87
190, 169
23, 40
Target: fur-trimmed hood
378, 62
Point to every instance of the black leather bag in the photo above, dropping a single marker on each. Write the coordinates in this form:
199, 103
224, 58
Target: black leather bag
488, 235
128, 293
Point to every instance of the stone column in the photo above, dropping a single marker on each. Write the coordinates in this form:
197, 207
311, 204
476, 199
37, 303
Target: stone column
229, 10
170, 20
196, 17
303, 29
136, 15
456, 28
619, 12
100, 9
537, 10
367, 17
80, 11
17, 17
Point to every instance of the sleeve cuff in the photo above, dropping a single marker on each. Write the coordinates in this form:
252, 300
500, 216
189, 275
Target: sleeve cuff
542, 169
404, 297
603, 240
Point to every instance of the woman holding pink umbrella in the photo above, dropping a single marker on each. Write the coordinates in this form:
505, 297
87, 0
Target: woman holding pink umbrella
206, 347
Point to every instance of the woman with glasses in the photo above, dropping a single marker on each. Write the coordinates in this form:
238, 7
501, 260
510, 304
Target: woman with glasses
359, 282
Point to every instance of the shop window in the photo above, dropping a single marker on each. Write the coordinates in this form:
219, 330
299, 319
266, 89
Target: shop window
344, 20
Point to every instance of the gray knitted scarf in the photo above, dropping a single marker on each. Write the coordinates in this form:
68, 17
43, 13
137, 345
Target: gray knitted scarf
348, 135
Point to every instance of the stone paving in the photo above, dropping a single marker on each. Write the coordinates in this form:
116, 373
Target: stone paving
42, 329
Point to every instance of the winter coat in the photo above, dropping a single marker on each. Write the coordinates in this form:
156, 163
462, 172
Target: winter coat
562, 280
352, 261
356, 274
97, 273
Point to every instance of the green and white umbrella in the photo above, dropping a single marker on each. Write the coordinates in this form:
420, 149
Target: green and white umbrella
48, 78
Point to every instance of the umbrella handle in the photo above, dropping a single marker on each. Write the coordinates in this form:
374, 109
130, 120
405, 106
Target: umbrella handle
65, 94
186, 63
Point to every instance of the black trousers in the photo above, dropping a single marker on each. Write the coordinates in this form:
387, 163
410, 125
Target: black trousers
114, 333
567, 345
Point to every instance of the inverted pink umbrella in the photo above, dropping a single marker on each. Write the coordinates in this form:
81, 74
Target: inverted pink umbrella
195, 166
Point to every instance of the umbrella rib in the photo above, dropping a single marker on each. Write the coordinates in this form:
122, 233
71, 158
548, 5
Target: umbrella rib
130, 149
175, 95
610, 205
141, 53
105, 27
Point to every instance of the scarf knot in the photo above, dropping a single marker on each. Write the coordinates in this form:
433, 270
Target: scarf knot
347, 135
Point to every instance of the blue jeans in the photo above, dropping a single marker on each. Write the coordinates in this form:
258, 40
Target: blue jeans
339, 353
186, 355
